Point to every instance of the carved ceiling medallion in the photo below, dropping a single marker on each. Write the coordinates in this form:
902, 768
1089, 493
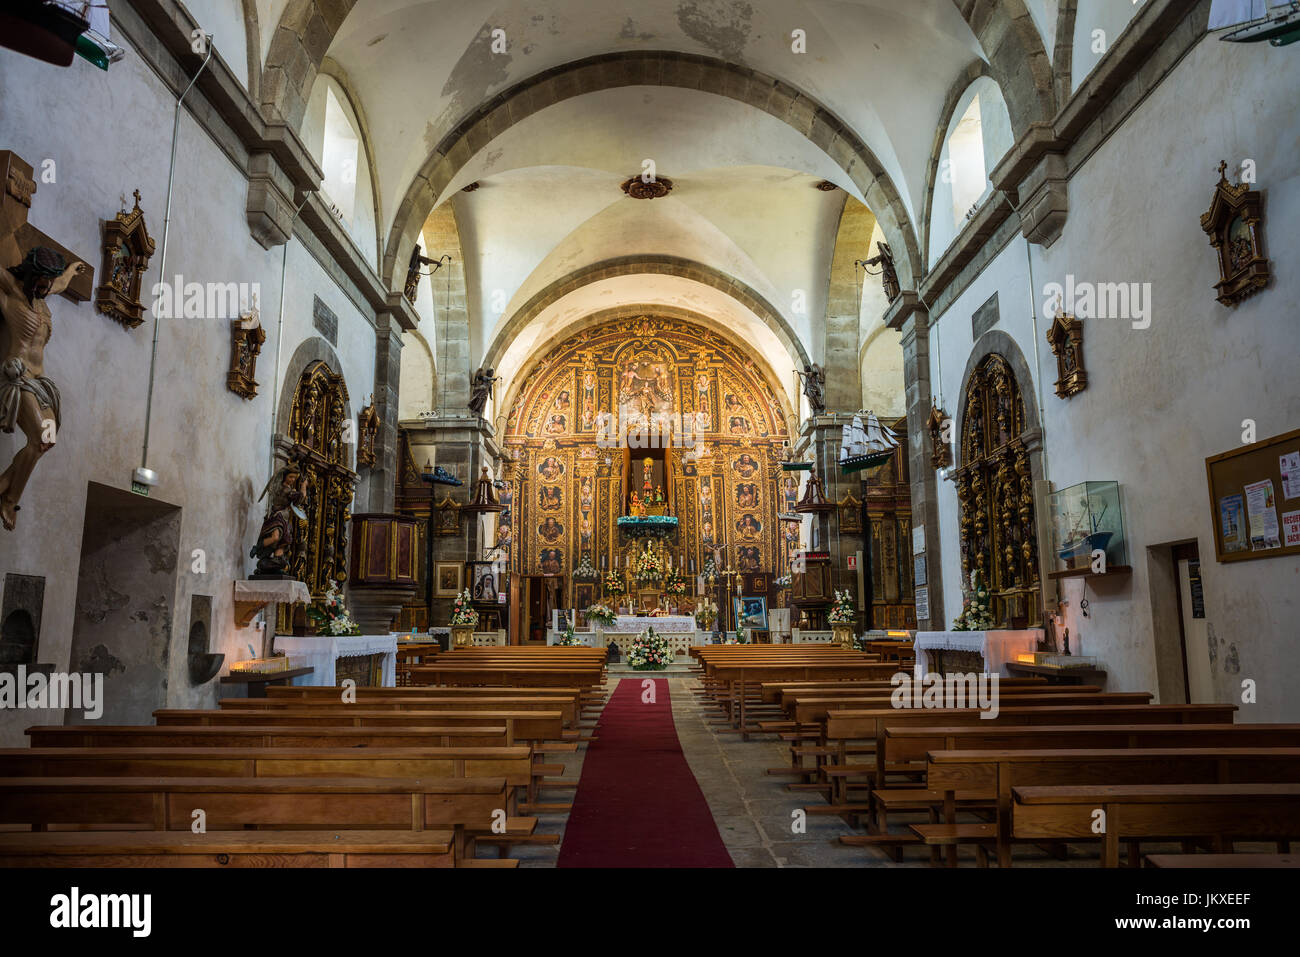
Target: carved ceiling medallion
638, 188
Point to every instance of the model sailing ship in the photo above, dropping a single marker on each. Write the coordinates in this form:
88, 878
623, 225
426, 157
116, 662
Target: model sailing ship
863, 447
1080, 543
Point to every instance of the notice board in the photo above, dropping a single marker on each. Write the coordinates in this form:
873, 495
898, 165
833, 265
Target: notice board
1255, 499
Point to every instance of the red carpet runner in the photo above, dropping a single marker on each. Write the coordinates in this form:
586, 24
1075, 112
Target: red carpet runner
638, 804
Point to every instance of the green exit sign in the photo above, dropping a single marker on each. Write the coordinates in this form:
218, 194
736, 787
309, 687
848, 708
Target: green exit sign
140, 489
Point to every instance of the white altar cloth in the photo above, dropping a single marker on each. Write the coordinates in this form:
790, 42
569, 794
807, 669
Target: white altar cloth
634, 625
997, 647
320, 652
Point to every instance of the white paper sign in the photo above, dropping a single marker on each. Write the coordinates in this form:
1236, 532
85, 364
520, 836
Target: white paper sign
922, 604
1291, 528
918, 539
1290, 467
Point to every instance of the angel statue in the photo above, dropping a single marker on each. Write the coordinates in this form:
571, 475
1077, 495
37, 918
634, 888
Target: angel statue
273, 551
814, 387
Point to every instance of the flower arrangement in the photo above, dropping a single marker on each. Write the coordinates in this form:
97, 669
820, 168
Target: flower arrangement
648, 566
742, 635
976, 612
650, 652
570, 639
785, 581
614, 584
585, 572
706, 614
842, 610
674, 583
331, 616
709, 571
461, 612
601, 614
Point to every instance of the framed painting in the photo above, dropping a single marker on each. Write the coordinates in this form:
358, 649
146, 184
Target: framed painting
446, 579
751, 612
584, 596
483, 580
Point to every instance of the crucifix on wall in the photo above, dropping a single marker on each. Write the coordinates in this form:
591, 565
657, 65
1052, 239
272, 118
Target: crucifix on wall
32, 267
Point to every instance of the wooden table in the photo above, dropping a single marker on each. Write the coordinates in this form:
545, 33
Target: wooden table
256, 682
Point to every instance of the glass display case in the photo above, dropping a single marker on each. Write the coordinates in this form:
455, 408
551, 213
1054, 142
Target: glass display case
1086, 518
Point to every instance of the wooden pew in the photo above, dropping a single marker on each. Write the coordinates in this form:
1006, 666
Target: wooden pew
539, 676
871, 725
514, 764
568, 707
166, 804
903, 744
227, 849
520, 725
1199, 861
1221, 812
260, 736
997, 772
811, 710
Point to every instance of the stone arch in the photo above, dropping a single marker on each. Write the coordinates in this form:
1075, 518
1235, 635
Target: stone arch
309, 350
997, 341
636, 265
1017, 59
843, 313
1063, 57
303, 35
656, 68
451, 345
330, 67
253, 38
960, 85
628, 311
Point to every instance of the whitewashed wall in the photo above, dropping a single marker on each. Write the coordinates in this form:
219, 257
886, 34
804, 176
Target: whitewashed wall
1161, 400
108, 136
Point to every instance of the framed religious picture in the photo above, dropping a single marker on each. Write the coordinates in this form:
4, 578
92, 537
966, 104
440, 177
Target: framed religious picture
446, 517
446, 579
584, 596
483, 581
1234, 224
751, 612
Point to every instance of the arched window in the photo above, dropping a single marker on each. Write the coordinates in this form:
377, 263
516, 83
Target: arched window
333, 134
995, 491
977, 137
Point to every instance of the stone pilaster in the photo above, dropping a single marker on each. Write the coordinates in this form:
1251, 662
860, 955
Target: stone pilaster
462, 445
911, 316
822, 434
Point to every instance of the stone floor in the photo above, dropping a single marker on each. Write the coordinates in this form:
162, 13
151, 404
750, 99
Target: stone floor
754, 811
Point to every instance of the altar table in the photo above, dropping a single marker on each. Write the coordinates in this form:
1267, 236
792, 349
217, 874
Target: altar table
679, 630
321, 653
997, 647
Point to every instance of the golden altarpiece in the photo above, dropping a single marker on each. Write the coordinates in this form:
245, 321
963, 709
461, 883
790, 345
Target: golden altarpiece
995, 492
645, 400
320, 407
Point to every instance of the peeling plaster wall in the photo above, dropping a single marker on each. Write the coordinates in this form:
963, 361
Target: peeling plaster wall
1160, 401
210, 447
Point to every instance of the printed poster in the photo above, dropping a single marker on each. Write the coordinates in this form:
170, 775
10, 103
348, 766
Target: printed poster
1232, 523
1261, 510
1291, 528
1289, 465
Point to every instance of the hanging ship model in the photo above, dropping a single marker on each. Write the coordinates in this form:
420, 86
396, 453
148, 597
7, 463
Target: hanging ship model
866, 446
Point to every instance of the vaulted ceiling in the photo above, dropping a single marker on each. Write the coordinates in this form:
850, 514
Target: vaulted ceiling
746, 105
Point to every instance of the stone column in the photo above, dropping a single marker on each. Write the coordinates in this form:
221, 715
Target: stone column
823, 434
464, 443
381, 489
908, 314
